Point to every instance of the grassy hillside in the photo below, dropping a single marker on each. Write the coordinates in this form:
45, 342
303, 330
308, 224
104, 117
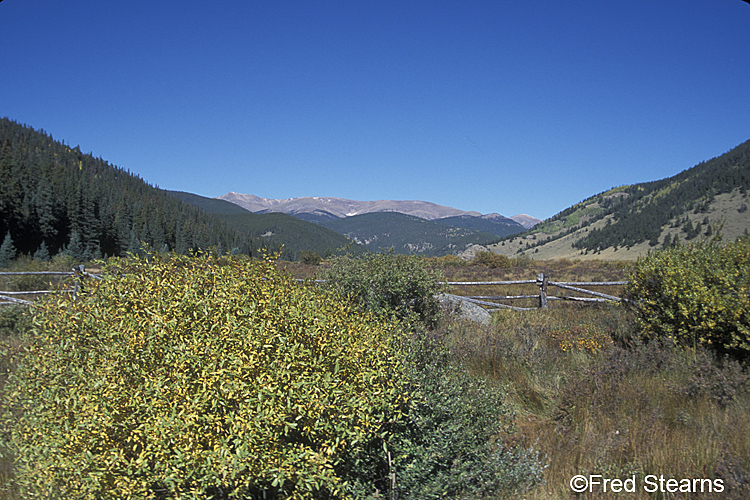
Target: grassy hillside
625, 222
406, 233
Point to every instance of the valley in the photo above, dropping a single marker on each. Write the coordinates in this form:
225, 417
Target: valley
102, 210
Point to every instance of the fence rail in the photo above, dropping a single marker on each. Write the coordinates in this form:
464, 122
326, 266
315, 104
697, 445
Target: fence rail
488, 301
77, 273
543, 282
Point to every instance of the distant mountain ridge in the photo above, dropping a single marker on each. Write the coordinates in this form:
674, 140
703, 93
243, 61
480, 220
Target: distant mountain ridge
526, 221
414, 235
405, 226
494, 224
274, 232
342, 207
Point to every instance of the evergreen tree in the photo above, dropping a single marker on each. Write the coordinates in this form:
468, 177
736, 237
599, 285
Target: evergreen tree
42, 253
52, 193
75, 247
667, 241
7, 251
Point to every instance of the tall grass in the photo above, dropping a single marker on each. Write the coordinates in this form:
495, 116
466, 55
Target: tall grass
619, 408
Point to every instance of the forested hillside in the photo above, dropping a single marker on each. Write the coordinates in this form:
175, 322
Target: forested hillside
681, 208
640, 211
496, 225
55, 198
276, 232
407, 234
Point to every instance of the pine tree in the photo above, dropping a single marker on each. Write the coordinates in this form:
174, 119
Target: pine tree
45, 209
667, 241
7, 251
75, 246
42, 253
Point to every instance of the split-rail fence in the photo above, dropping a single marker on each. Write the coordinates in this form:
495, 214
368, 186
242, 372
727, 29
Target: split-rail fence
543, 282
490, 302
77, 275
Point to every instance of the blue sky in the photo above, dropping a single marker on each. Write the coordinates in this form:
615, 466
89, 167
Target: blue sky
495, 106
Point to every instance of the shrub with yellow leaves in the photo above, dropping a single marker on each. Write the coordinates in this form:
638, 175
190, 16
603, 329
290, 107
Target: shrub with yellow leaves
202, 377
696, 295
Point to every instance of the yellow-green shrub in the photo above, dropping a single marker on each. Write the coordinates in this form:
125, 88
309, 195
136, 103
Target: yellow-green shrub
491, 260
696, 295
203, 377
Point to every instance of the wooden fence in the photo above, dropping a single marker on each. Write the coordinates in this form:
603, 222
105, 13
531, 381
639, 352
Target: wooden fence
77, 274
543, 282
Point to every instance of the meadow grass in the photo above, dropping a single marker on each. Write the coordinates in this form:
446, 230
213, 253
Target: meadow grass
606, 403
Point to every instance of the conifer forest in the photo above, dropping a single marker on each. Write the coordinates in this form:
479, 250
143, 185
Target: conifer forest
55, 198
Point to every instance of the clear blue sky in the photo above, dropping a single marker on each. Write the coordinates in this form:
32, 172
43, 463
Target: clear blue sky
495, 106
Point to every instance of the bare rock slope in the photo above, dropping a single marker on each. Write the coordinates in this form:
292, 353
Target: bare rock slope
341, 207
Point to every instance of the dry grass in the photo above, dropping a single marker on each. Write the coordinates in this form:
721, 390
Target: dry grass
622, 410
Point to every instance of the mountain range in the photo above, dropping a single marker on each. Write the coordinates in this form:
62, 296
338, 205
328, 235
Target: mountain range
371, 231
405, 226
55, 199
321, 208
275, 232
414, 235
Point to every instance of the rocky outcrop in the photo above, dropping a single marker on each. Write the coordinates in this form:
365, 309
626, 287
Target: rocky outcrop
464, 309
472, 251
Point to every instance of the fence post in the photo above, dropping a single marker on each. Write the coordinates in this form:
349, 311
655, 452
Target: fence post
78, 272
541, 282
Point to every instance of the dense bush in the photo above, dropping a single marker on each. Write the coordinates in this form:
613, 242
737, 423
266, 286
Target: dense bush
448, 260
458, 438
492, 260
696, 295
387, 283
452, 440
202, 377
724, 382
310, 258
